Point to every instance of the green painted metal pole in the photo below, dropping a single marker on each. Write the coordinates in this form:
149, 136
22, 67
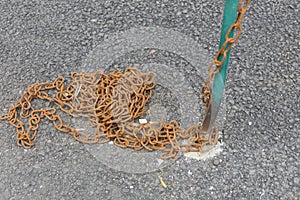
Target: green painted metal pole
229, 18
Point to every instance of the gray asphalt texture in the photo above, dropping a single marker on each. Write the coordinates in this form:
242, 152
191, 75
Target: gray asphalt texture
41, 40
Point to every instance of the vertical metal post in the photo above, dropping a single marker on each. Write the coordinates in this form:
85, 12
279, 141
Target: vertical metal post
229, 18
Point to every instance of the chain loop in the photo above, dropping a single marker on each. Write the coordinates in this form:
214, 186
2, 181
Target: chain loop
225, 48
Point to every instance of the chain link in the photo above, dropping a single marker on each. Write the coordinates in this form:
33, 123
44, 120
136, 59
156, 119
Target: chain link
221, 55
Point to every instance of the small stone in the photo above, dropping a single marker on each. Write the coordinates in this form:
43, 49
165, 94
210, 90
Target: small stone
125, 190
159, 161
296, 180
152, 51
216, 162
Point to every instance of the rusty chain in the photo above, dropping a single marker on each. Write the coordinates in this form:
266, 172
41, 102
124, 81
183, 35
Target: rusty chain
111, 103
221, 55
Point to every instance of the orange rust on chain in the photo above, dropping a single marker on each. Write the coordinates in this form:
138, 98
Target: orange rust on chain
216, 65
111, 102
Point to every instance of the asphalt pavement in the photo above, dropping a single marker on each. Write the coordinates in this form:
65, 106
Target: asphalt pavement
40, 40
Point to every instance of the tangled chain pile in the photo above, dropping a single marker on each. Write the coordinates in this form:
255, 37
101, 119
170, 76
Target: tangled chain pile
111, 103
